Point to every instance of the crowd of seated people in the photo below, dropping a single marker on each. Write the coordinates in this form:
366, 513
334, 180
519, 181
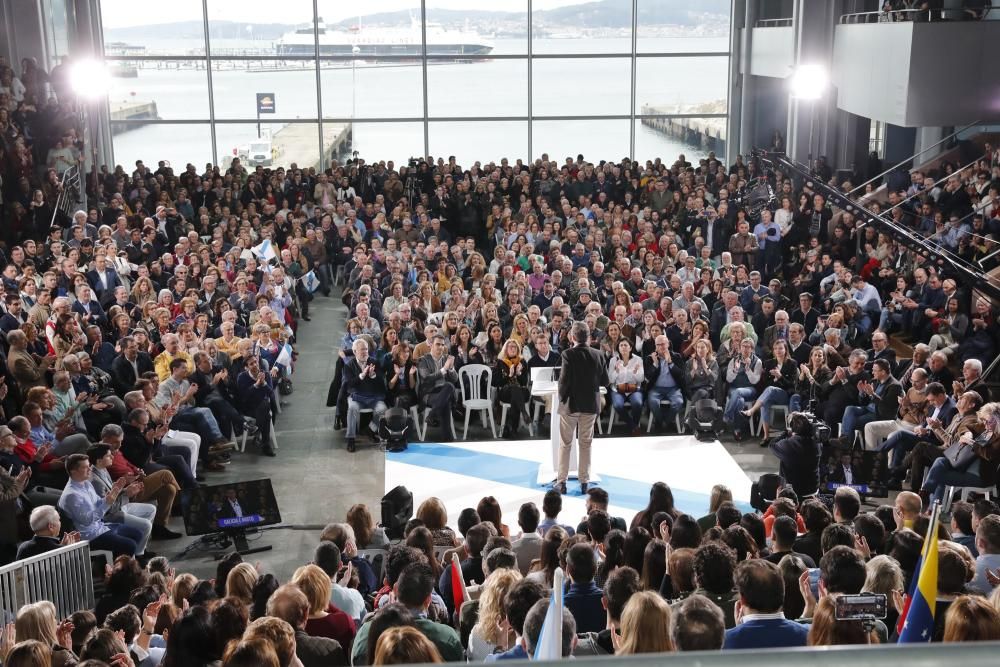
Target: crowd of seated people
667, 581
149, 328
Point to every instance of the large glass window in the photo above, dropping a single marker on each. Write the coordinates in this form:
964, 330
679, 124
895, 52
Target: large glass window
482, 141
373, 77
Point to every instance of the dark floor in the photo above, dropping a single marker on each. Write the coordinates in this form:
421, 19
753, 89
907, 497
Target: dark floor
315, 480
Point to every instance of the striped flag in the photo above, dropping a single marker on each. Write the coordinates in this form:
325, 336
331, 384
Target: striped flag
310, 281
459, 593
284, 357
265, 250
918, 614
550, 641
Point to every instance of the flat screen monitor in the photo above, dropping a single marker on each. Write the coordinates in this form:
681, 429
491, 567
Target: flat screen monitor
231, 507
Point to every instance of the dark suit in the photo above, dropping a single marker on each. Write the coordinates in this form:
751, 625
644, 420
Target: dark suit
580, 380
100, 291
97, 315
123, 375
839, 475
37, 545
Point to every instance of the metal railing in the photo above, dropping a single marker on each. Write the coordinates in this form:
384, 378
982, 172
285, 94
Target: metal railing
972, 654
69, 194
775, 23
62, 576
915, 15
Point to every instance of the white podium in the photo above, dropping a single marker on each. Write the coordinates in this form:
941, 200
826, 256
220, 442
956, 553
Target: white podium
543, 384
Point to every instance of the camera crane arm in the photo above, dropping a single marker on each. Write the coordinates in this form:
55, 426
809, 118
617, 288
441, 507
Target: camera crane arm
963, 272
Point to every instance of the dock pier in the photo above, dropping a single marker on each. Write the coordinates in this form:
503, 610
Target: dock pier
706, 133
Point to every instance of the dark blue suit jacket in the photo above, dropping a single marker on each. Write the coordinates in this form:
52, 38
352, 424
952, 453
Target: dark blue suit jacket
97, 314
766, 633
584, 601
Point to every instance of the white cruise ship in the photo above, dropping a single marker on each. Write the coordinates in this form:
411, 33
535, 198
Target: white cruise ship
373, 43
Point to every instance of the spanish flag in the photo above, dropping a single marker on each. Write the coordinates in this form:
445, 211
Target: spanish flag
917, 619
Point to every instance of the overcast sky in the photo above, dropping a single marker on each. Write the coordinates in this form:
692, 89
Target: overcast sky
124, 13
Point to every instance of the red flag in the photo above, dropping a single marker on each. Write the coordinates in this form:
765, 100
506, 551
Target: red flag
458, 592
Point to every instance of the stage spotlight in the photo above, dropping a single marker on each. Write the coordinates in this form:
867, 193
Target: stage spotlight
90, 79
808, 82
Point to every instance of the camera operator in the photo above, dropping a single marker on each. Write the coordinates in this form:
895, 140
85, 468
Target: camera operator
799, 454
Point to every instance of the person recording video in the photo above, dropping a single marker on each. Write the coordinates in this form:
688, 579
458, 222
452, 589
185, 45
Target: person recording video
799, 455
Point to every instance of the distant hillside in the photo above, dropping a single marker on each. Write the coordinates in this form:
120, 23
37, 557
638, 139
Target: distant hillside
590, 15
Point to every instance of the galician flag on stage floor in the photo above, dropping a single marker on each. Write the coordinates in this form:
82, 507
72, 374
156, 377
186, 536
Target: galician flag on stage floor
917, 619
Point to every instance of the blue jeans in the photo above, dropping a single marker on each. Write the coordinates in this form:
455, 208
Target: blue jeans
795, 402
357, 403
900, 443
200, 421
736, 402
855, 418
119, 540
628, 406
657, 394
942, 474
768, 397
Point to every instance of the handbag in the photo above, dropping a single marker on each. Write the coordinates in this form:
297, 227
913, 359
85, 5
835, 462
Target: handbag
625, 388
960, 455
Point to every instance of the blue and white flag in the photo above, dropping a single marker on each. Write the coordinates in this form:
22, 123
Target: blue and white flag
284, 357
550, 641
265, 250
310, 281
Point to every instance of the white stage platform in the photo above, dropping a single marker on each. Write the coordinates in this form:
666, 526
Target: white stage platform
460, 473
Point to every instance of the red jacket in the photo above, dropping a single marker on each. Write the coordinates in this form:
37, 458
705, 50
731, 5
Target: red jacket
26, 452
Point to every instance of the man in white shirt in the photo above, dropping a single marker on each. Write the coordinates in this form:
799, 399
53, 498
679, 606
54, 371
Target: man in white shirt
348, 600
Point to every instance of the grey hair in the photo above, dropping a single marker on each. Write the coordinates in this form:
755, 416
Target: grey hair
42, 516
858, 354
133, 398
971, 363
112, 431
580, 332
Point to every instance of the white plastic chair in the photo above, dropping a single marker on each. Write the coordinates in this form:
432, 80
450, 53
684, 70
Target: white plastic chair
677, 420
474, 397
504, 407
965, 491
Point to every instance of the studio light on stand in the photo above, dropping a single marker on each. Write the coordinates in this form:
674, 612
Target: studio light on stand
809, 82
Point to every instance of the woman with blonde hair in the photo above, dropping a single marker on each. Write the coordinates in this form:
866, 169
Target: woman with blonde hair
490, 634
826, 630
645, 625
143, 291
240, 582
38, 621
510, 377
434, 516
366, 533
324, 620
405, 646
970, 618
883, 575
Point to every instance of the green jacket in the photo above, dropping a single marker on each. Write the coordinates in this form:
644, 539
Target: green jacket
442, 636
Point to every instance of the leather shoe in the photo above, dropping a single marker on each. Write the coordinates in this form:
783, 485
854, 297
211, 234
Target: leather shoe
560, 487
583, 488
212, 466
164, 533
351, 446
269, 451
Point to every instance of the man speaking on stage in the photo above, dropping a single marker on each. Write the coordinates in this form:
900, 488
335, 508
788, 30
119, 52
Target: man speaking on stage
582, 375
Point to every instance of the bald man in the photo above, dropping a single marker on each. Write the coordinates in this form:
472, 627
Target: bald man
907, 508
